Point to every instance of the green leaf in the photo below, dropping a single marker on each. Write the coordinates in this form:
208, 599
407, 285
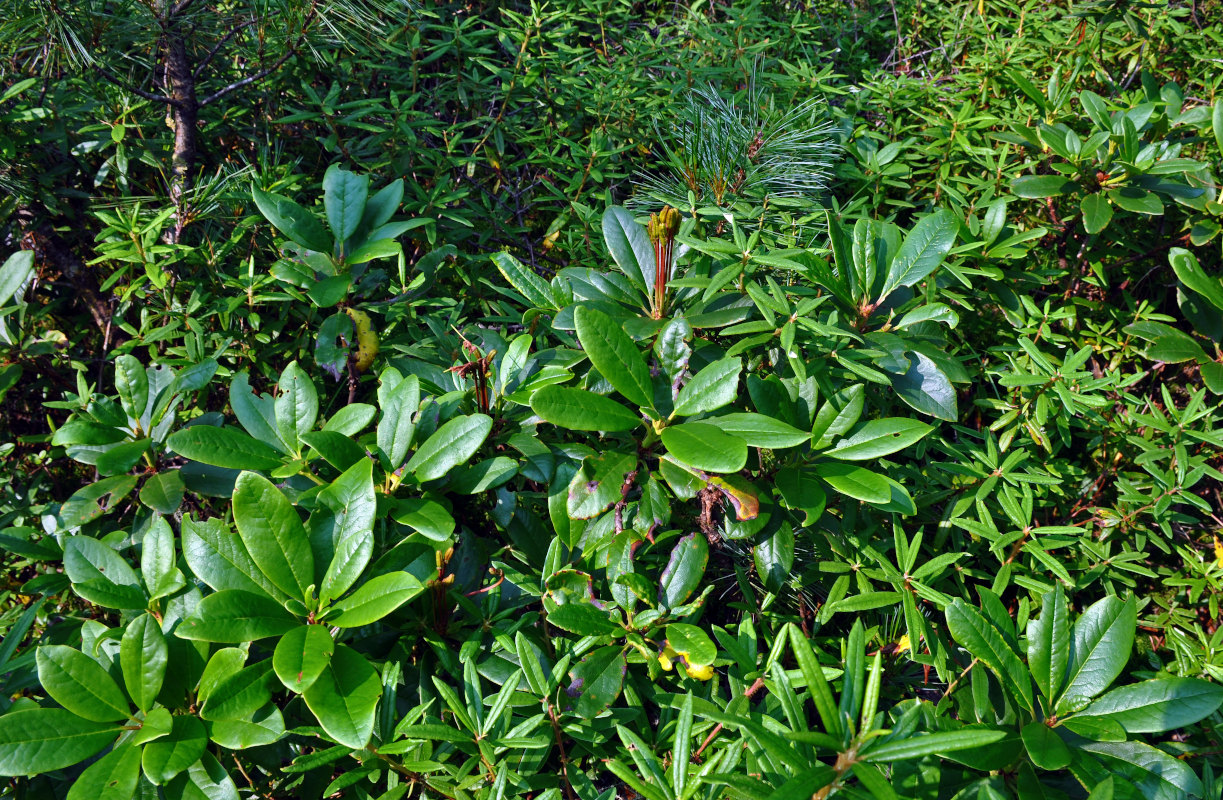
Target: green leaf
80, 684
132, 384
41, 740
705, 446
351, 500
1194, 278
713, 387
1044, 746
100, 575
854, 481
375, 599
301, 655
1037, 187
344, 195
597, 680
239, 695
1097, 213
774, 557
166, 757
296, 405
1099, 649
163, 492
111, 777
978, 636
692, 643
838, 414
273, 534
158, 561
583, 619
1049, 643
597, 483
1216, 118
344, 698
614, 355
630, 247
223, 447
684, 570
759, 430
928, 744
1158, 705
1137, 201
1157, 775
801, 490
922, 251
537, 293
926, 388
234, 616
16, 273
144, 655
427, 517
219, 558
581, 410
451, 445
293, 221
397, 427
879, 438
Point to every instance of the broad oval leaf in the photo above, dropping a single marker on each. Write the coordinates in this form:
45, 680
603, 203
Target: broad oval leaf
705, 446
581, 410
629, 245
273, 534
856, 482
451, 445
234, 616
144, 655
583, 619
1158, 705
223, 447
345, 696
80, 684
614, 355
713, 387
46, 739
111, 777
344, 195
293, 221
978, 636
301, 655
1100, 646
684, 571
166, 757
879, 437
922, 251
375, 599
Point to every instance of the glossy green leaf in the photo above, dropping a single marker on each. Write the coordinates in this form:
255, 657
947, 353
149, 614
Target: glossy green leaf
166, 757
375, 599
854, 481
1153, 706
629, 246
273, 534
1097, 213
353, 506
580, 410
79, 684
241, 694
705, 446
111, 777
713, 387
1157, 775
144, 656
345, 697
926, 388
235, 616
397, 427
223, 447
931, 744
46, 739
1190, 273
614, 355
583, 619
452, 444
923, 250
598, 483
759, 430
293, 221
596, 681
536, 291
984, 641
1038, 187
217, 556
1137, 200
1044, 746
879, 438
684, 570
344, 195
163, 491
301, 655
1049, 644
692, 643
1099, 649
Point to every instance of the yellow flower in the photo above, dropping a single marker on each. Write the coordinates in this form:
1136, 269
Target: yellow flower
701, 672
903, 644
1218, 552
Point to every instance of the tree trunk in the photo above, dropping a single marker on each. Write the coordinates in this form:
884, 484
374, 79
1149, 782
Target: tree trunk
185, 116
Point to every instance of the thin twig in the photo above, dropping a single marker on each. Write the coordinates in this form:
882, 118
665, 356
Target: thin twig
157, 98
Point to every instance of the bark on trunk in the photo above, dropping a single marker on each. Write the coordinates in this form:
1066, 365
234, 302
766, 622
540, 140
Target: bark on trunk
185, 115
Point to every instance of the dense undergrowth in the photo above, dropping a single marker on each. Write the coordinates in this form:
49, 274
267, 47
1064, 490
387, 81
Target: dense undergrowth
765, 400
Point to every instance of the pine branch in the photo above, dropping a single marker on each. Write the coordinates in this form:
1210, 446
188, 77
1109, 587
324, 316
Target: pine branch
157, 98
